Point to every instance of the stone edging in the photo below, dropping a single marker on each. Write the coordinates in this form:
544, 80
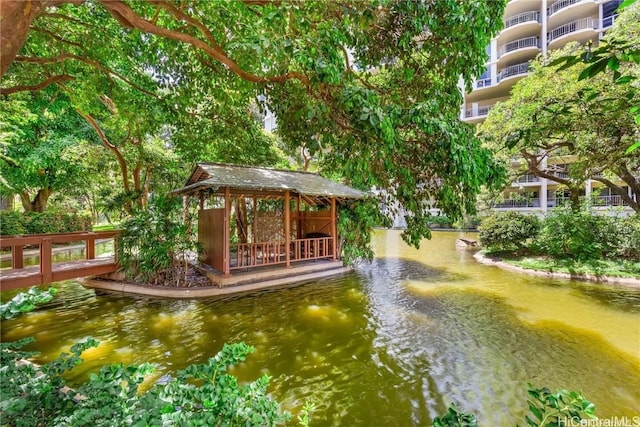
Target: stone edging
209, 291
626, 281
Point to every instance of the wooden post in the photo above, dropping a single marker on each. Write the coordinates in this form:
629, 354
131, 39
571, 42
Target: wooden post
17, 257
287, 227
334, 230
46, 261
90, 248
227, 233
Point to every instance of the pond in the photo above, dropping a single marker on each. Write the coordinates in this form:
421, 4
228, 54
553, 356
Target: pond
392, 343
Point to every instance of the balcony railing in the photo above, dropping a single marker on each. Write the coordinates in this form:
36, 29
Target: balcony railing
614, 200
520, 44
513, 70
516, 203
526, 178
608, 21
560, 4
580, 24
483, 83
481, 111
520, 18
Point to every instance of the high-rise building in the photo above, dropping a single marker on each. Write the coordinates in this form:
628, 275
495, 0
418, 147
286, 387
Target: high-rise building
532, 27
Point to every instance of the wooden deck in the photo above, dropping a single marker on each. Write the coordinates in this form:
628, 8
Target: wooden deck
19, 276
238, 283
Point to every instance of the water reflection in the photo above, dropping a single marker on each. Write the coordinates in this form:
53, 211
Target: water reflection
392, 343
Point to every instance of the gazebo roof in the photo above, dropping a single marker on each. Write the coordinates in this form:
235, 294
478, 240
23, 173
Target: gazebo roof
252, 180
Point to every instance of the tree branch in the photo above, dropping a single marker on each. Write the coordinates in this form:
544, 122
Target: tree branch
36, 87
125, 15
67, 56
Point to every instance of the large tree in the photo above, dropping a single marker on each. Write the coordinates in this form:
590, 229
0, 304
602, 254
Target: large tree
371, 85
547, 116
42, 138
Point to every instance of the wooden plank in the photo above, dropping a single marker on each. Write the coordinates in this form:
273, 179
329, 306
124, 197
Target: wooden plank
17, 257
227, 232
287, 228
46, 260
90, 248
334, 229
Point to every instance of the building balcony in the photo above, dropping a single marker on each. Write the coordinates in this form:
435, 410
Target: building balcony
482, 83
476, 115
514, 70
518, 203
607, 22
528, 42
614, 200
519, 51
580, 30
563, 11
520, 25
525, 179
521, 18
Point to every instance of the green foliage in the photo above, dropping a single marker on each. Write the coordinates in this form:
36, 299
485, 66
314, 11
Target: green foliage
629, 236
370, 89
25, 302
455, 418
155, 243
440, 221
355, 224
200, 395
31, 395
12, 223
546, 409
506, 230
581, 234
549, 409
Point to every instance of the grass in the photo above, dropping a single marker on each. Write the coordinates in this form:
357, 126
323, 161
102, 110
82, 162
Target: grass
105, 227
614, 267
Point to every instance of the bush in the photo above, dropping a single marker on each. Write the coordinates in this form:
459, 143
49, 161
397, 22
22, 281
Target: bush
579, 234
155, 244
12, 223
629, 237
507, 230
440, 221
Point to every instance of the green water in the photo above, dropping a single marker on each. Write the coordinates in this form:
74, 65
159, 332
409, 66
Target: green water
390, 344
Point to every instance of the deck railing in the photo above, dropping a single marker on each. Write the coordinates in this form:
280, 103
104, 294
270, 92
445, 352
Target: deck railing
47, 272
520, 18
244, 255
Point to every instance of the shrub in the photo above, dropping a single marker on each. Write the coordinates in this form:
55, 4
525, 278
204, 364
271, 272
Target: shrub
629, 237
507, 230
12, 223
579, 234
155, 243
440, 221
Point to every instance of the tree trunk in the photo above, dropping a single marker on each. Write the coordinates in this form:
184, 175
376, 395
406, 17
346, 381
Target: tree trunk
39, 203
16, 17
241, 220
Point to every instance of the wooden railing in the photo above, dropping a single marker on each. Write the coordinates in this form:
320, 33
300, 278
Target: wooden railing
244, 255
48, 271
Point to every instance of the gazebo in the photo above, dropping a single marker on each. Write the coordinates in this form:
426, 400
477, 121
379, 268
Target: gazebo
252, 217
